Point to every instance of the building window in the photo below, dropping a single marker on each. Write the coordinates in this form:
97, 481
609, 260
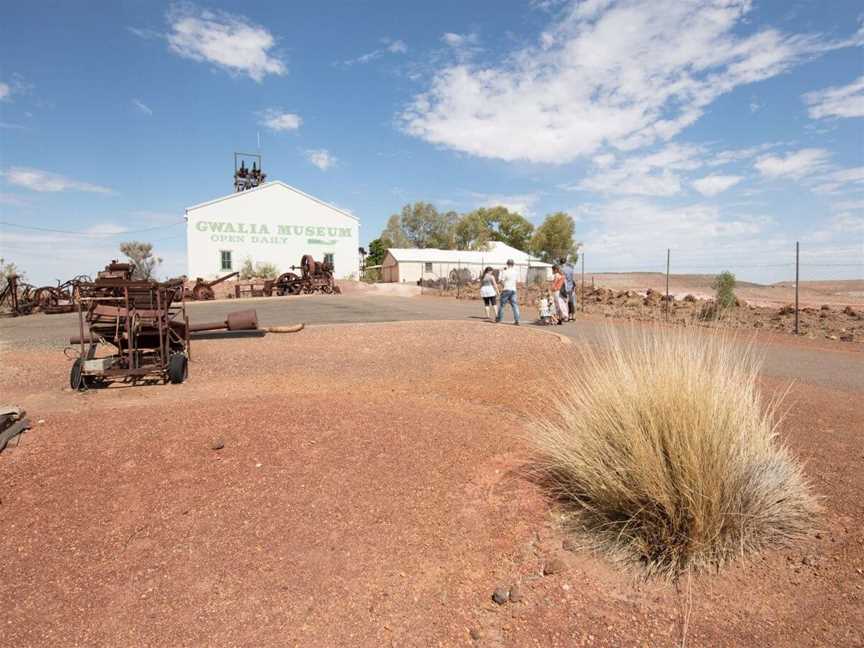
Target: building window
428, 267
328, 258
225, 259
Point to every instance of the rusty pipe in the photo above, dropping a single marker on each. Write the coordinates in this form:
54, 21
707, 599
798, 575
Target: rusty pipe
246, 320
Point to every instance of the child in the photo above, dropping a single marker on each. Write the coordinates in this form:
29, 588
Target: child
544, 307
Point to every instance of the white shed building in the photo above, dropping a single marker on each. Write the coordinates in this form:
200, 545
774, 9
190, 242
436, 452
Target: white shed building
414, 264
274, 223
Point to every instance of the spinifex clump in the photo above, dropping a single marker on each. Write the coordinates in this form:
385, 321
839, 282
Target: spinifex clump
662, 452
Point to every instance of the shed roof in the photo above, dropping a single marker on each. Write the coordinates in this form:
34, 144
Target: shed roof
268, 185
497, 254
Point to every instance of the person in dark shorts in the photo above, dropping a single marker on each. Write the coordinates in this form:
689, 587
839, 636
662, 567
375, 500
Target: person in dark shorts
489, 292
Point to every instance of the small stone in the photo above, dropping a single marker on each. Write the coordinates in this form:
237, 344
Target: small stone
569, 544
217, 444
500, 595
810, 561
554, 566
515, 594
40, 421
475, 633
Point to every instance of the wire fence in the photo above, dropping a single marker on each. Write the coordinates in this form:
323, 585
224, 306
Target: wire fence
681, 285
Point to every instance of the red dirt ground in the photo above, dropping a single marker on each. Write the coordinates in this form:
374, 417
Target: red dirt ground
368, 494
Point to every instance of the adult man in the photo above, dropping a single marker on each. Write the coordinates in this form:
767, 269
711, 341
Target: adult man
508, 292
570, 286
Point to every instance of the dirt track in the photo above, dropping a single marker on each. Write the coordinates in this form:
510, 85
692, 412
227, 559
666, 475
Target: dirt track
367, 495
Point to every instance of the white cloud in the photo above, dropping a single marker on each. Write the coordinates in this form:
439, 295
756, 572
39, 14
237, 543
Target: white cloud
714, 184
729, 156
459, 40
795, 165
520, 203
848, 222
655, 174
142, 107
389, 46
228, 41
624, 74
45, 181
840, 180
397, 47
104, 229
634, 233
837, 101
279, 120
5, 91
321, 158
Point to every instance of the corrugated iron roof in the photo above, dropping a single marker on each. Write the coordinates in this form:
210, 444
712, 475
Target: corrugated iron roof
497, 254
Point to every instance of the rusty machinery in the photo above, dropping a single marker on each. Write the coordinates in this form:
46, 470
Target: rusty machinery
23, 298
203, 290
17, 296
314, 277
143, 325
58, 299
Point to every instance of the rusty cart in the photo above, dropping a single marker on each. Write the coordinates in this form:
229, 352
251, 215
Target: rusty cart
144, 325
203, 290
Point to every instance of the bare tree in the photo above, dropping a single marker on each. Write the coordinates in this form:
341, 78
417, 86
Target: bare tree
141, 255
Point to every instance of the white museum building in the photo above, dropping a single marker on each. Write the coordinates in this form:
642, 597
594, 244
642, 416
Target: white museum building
273, 223
414, 264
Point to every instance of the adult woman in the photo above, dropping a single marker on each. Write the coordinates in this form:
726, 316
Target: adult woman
489, 291
556, 286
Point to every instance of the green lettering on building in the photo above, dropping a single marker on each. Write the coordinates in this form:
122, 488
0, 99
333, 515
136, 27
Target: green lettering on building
314, 235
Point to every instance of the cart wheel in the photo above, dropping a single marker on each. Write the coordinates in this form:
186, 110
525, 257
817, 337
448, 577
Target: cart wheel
178, 368
77, 380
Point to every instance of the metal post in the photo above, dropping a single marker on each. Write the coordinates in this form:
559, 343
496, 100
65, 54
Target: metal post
582, 290
796, 286
667, 283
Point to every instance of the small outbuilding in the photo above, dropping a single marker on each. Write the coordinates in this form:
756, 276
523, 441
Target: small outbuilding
416, 264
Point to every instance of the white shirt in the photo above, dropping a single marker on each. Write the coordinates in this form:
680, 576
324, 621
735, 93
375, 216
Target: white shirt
508, 278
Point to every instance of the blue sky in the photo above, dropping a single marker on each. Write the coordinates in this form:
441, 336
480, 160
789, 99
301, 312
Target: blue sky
723, 130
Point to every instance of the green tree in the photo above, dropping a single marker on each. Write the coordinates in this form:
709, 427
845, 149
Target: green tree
140, 254
554, 239
421, 226
724, 287
377, 251
477, 228
393, 233
473, 232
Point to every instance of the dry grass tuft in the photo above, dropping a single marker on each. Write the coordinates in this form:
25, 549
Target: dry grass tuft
662, 453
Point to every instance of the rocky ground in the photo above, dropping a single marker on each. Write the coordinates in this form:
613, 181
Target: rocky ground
361, 485
829, 321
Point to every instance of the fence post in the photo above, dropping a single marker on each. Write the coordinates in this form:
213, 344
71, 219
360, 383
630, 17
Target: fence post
796, 286
667, 284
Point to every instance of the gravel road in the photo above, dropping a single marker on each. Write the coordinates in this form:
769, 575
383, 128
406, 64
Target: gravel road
825, 363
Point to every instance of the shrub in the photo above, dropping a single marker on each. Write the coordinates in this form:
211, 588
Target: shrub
266, 270
724, 287
662, 453
260, 270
